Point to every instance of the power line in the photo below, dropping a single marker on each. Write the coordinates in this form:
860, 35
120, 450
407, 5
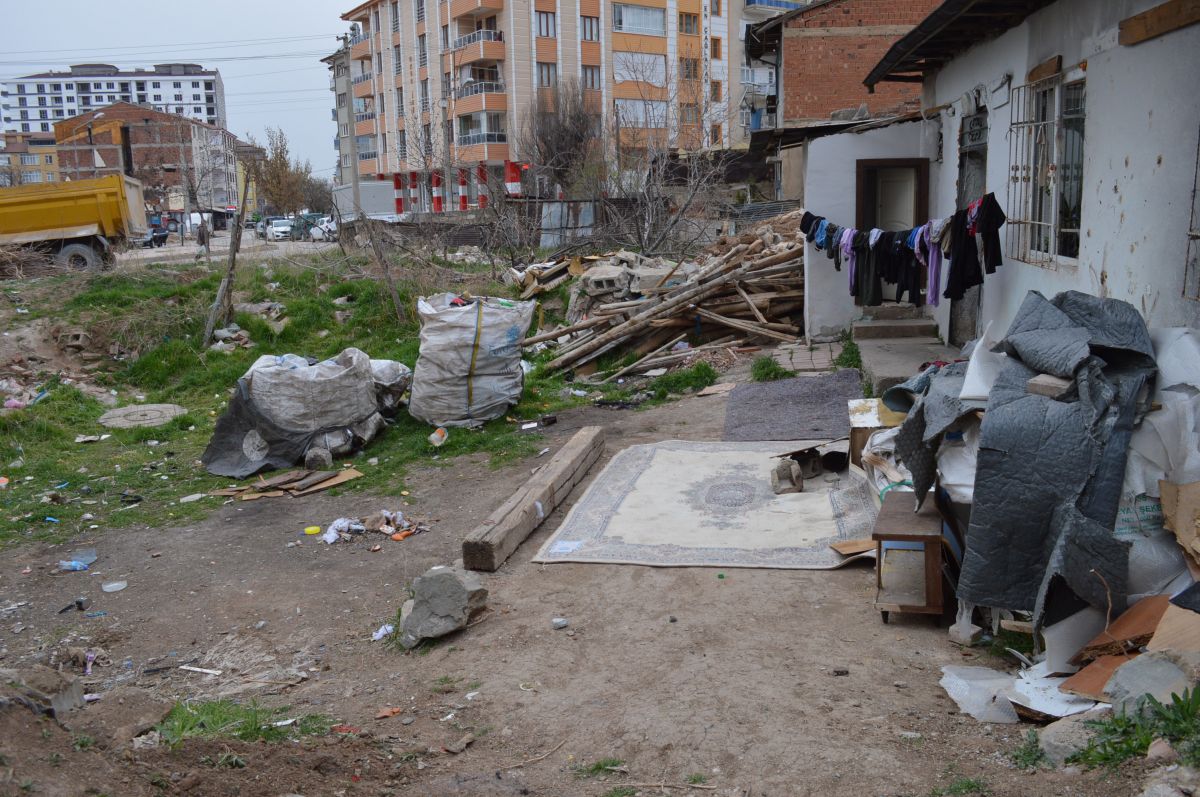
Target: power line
164, 46
220, 59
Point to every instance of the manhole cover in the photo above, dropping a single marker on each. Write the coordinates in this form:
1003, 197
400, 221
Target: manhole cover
141, 415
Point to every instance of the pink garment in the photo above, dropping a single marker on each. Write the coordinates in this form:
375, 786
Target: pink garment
848, 253
933, 264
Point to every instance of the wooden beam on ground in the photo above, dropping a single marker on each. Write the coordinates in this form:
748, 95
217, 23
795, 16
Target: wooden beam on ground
1156, 21
558, 333
496, 538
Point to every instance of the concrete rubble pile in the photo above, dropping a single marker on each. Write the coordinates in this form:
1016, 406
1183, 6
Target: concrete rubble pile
748, 287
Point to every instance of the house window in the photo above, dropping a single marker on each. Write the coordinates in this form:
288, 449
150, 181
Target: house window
590, 77
31, 177
689, 68
714, 93
445, 37
154, 85
379, 63
178, 98
715, 48
1045, 191
50, 177
425, 95
422, 54
590, 28
714, 135
346, 160
29, 160
689, 24
344, 129
195, 98
397, 59
546, 27
646, 67
689, 114
176, 85
547, 75
639, 19
641, 113
420, 6
395, 17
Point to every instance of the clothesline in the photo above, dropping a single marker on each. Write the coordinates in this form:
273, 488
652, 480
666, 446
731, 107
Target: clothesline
876, 256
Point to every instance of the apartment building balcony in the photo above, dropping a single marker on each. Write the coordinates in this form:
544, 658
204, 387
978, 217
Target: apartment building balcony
764, 9
482, 45
759, 81
364, 124
488, 137
360, 47
362, 86
495, 152
481, 95
367, 163
474, 8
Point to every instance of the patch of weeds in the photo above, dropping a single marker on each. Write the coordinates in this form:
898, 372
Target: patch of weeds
160, 781
1123, 736
960, 786
696, 779
1029, 755
621, 791
82, 742
231, 761
601, 767
446, 684
849, 356
27, 785
765, 369
474, 685
55, 759
698, 377
226, 719
1022, 643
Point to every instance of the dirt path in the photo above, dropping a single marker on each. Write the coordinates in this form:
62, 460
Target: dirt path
673, 671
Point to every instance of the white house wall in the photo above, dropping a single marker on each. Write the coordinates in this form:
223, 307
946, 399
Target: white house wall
1141, 127
829, 191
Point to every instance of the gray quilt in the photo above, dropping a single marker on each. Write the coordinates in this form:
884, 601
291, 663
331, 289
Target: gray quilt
804, 408
1049, 474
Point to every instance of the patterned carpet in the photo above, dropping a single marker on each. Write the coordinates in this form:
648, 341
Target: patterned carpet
686, 504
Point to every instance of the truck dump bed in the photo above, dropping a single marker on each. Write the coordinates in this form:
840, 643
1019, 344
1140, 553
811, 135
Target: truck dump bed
113, 207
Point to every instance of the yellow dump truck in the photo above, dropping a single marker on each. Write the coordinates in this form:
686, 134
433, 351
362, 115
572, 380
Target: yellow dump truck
78, 222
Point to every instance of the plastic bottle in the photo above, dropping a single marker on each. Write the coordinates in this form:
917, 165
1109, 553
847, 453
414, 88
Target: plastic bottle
65, 565
439, 436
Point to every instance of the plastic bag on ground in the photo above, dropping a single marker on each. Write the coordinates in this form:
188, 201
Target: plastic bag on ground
980, 692
469, 367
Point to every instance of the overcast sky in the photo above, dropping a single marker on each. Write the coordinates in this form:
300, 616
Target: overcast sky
268, 53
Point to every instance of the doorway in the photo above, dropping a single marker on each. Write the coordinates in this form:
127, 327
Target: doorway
972, 184
891, 194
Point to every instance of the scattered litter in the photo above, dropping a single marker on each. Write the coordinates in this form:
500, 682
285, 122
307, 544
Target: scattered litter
438, 437
460, 744
312, 531
96, 614
91, 438
389, 712
543, 452
472, 695
294, 483
344, 729
383, 630
201, 670
187, 499
114, 586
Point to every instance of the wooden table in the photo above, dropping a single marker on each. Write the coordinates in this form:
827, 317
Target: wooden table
913, 574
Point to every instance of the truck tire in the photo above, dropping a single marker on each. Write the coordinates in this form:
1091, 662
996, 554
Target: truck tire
78, 257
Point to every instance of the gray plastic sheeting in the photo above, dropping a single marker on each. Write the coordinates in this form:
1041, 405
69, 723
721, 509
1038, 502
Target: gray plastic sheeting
1049, 474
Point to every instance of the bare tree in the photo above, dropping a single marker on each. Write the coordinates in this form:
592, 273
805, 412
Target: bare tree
282, 183
561, 135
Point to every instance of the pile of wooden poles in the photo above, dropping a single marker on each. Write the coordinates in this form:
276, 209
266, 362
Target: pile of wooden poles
753, 289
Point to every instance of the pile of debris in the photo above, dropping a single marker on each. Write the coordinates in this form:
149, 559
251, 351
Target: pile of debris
751, 285
294, 483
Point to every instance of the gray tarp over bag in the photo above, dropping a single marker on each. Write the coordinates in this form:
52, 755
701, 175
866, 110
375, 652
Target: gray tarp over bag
283, 405
1049, 473
469, 367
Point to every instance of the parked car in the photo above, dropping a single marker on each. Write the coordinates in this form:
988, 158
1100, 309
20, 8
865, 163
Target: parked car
154, 237
324, 231
279, 230
260, 229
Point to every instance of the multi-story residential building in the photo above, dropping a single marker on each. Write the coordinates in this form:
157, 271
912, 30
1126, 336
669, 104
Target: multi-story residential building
181, 162
33, 103
339, 84
439, 87
27, 158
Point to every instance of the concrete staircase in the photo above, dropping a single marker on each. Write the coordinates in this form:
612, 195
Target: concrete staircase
895, 340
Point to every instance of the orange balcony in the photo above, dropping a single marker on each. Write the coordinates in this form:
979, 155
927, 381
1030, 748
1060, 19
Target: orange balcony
364, 124
479, 96
473, 153
473, 8
367, 165
360, 48
482, 45
592, 99
363, 86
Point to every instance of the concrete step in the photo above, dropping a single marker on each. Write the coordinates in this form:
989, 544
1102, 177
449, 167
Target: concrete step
894, 328
890, 361
890, 311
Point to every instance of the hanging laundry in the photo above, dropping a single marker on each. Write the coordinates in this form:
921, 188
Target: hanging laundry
991, 219
964, 259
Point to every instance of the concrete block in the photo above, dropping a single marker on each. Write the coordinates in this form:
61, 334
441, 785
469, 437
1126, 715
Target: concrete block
894, 328
892, 361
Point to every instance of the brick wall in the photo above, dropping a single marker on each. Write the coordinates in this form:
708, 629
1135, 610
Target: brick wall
828, 50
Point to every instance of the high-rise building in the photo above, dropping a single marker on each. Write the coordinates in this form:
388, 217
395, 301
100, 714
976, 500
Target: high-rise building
33, 103
439, 87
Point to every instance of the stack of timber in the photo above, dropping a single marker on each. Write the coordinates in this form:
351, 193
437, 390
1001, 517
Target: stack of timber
750, 287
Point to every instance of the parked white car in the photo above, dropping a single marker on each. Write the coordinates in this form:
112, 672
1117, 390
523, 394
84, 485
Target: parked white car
326, 230
279, 230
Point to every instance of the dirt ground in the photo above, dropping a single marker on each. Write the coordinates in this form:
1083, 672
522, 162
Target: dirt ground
739, 688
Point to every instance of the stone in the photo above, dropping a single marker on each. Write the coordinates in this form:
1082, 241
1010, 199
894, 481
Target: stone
142, 415
318, 459
559, 623
45, 689
1160, 673
1065, 737
1172, 781
444, 600
1161, 750
965, 634
786, 478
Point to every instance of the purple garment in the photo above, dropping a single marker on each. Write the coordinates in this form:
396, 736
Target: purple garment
848, 254
933, 264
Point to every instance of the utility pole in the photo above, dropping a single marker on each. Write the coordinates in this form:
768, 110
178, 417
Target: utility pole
186, 184
353, 122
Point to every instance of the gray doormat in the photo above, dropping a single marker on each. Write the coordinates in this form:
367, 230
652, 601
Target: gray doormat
804, 408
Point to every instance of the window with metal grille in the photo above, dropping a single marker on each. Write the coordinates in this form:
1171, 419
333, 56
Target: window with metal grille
1045, 190
420, 8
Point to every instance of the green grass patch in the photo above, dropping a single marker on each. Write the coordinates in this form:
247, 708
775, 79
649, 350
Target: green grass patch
849, 356
1125, 736
602, 767
686, 380
225, 719
765, 369
960, 786
696, 778
1029, 754
621, 791
1004, 639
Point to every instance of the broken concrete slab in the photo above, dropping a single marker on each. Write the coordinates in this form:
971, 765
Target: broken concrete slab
444, 600
1160, 674
890, 361
1064, 738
